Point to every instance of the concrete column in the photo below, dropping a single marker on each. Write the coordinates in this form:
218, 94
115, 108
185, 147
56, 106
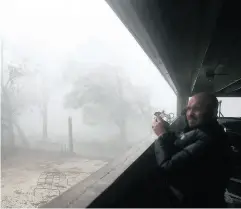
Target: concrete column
181, 103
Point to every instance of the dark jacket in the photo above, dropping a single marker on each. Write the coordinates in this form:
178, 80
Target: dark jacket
196, 164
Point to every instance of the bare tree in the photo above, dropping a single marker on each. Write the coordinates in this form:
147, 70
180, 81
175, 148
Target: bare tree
9, 108
15, 99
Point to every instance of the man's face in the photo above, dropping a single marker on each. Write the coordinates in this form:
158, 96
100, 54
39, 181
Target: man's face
197, 112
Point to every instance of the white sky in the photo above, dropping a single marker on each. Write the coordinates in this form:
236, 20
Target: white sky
52, 30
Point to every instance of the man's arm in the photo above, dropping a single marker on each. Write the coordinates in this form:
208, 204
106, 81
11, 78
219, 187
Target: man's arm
174, 159
164, 147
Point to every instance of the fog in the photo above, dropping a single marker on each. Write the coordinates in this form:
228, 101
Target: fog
77, 92
72, 74
57, 48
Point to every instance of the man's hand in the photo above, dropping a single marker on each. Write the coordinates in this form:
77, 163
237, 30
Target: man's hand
159, 126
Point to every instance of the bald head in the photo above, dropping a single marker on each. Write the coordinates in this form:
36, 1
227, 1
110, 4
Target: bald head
207, 98
201, 108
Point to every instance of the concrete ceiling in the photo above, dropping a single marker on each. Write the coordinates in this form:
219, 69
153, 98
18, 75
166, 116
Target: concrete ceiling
198, 42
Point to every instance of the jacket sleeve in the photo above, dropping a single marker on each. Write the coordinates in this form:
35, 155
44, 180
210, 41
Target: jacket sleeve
164, 147
175, 158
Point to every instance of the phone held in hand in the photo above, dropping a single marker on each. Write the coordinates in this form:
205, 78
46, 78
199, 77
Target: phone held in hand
157, 114
162, 115
168, 117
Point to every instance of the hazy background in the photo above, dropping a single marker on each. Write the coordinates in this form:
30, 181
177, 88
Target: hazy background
75, 58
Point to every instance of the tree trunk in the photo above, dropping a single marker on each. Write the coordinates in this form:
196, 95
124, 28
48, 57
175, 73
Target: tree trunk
22, 135
123, 142
7, 109
11, 140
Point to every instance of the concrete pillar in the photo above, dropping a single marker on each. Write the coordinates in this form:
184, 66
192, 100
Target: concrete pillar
181, 103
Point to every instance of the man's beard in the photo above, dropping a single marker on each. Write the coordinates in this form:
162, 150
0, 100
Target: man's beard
204, 119
192, 123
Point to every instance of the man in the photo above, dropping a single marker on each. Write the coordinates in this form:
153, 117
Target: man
197, 162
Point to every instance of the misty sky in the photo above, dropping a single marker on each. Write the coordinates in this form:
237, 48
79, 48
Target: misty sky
49, 33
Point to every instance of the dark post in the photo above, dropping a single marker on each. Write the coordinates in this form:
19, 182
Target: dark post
71, 148
45, 120
181, 103
219, 109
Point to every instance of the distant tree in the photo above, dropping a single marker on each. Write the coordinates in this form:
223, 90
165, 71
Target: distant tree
43, 102
35, 92
10, 108
110, 89
20, 92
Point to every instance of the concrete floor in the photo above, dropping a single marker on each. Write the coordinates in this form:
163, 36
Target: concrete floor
27, 181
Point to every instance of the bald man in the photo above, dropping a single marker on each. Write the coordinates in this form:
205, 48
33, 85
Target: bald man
196, 163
